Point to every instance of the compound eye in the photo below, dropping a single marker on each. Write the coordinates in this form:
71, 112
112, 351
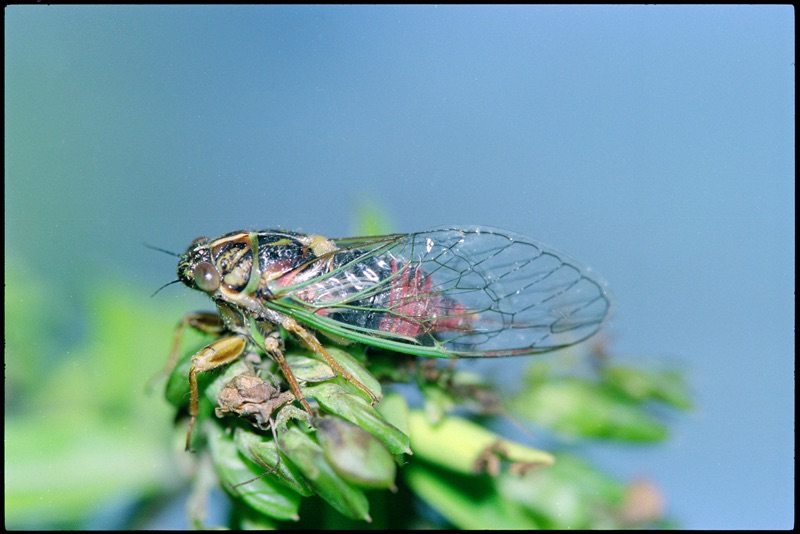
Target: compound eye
206, 277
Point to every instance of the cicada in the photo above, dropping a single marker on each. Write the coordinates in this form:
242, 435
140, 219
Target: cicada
470, 292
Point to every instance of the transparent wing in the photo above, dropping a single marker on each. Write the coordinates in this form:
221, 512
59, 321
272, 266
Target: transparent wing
468, 292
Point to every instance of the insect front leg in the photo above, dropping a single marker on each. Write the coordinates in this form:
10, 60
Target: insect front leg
216, 354
206, 322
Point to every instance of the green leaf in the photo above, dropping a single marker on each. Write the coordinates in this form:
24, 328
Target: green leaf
310, 459
668, 386
244, 479
467, 502
358, 456
358, 411
308, 369
578, 408
568, 495
264, 452
86, 431
394, 409
468, 448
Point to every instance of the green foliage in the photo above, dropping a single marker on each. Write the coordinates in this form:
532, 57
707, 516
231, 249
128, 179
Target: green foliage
80, 428
593, 398
82, 432
469, 475
371, 219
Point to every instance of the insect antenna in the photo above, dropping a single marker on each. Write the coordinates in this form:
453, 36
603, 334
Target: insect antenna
159, 249
162, 250
165, 285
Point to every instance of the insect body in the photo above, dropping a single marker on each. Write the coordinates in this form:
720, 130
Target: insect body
453, 292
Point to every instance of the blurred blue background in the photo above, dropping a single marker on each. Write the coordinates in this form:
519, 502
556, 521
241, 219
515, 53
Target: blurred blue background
655, 144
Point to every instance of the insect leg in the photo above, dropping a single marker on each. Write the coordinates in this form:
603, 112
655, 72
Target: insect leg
206, 322
294, 327
220, 352
272, 346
